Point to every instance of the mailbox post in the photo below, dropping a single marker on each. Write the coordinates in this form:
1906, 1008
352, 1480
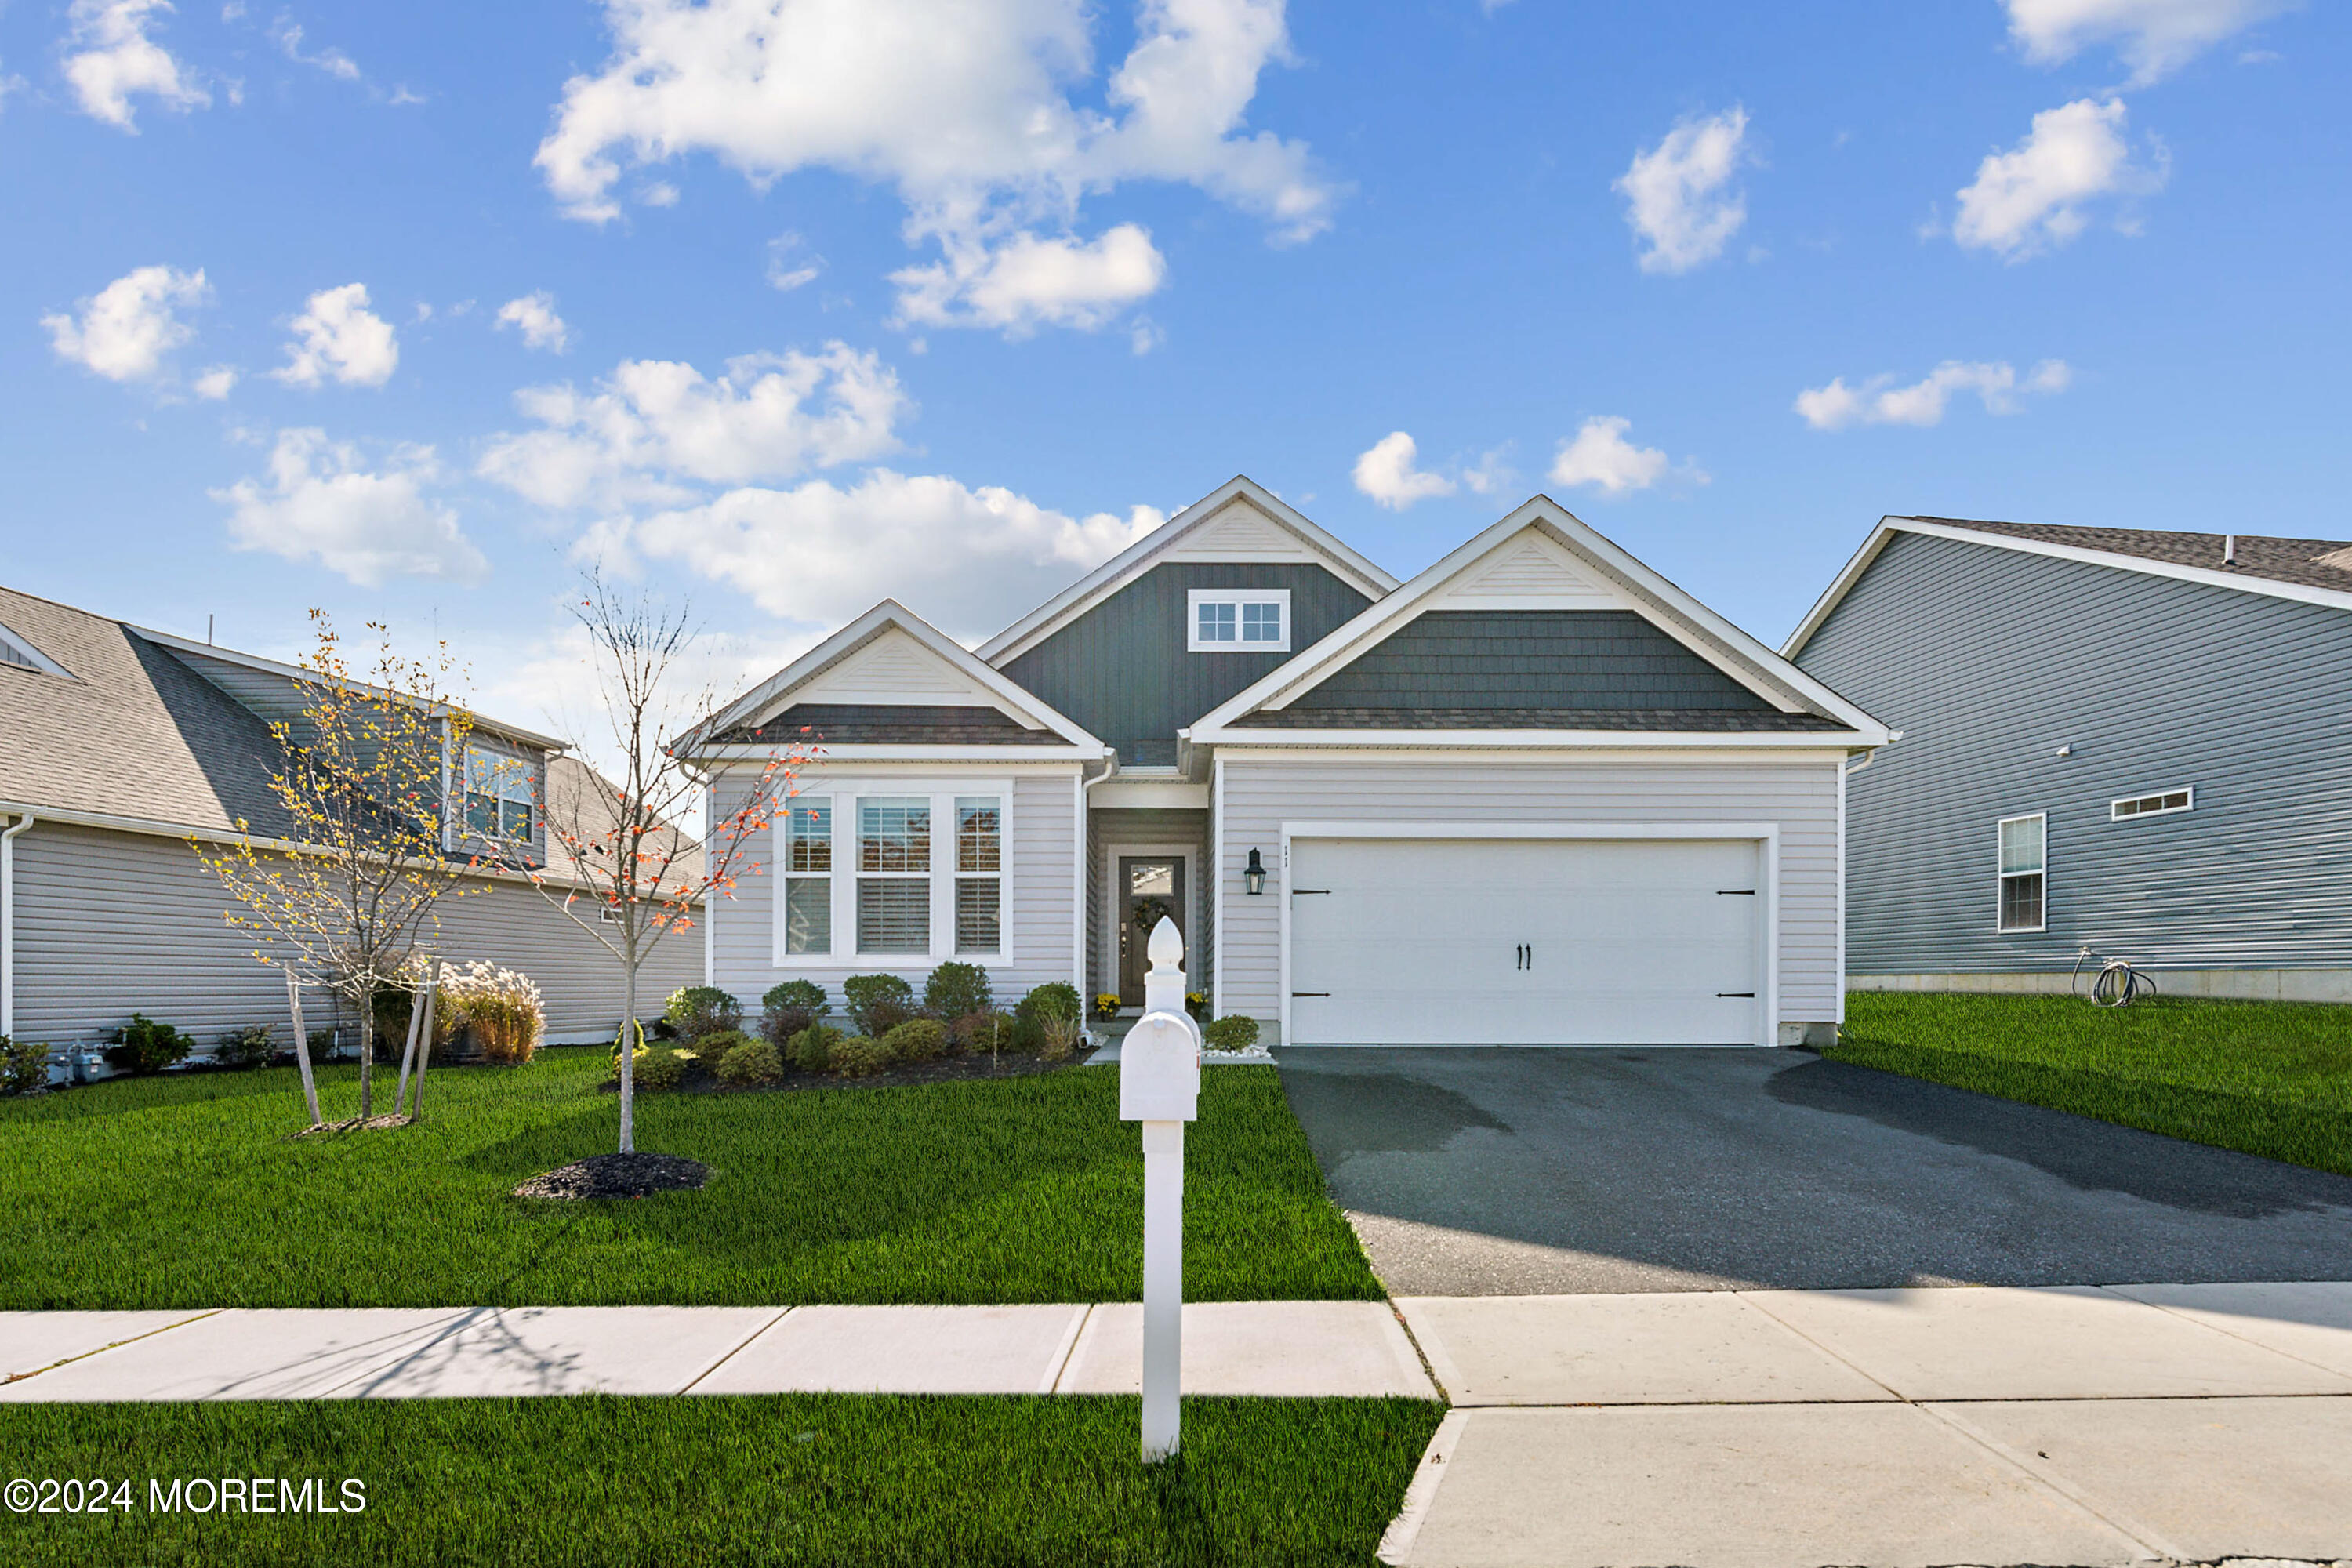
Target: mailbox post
1159, 1086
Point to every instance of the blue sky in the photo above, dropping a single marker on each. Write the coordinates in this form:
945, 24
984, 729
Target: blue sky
785, 305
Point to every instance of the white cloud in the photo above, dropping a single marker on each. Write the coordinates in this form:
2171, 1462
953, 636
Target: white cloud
1384, 471
1599, 456
965, 110
216, 382
125, 330
2156, 37
2028, 199
321, 501
1679, 194
1879, 401
110, 59
1026, 282
534, 316
342, 341
966, 559
791, 263
656, 423
334, 62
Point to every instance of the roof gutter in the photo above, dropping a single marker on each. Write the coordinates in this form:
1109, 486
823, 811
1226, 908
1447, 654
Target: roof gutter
8, 923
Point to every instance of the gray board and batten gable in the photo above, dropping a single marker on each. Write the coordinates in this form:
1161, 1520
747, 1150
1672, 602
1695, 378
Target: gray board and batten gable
1579, 670
1121, 668
1991, 659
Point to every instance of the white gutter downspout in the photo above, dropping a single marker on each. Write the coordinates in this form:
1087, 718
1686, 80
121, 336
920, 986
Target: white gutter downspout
1080, 882
9, 922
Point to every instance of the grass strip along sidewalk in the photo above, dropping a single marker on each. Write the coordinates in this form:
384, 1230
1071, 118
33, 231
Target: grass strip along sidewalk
689, 1482
187, 1191
2272, 1079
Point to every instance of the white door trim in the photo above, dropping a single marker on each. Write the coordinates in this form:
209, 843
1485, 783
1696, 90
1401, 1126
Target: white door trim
1114, 899
1764, 833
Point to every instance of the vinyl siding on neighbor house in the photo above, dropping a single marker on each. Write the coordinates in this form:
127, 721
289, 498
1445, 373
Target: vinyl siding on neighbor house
1991, 660
109, 923
1041, 884
1798, 794
1122, 670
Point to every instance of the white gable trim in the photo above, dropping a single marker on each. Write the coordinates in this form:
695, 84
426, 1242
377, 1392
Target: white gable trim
1190, 535
1593, 559
788, 684
24, 650
2269, 587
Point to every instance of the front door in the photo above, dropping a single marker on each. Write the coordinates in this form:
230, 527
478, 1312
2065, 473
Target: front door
1148, 887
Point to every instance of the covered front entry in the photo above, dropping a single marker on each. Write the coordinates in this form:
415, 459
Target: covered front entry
1558, 940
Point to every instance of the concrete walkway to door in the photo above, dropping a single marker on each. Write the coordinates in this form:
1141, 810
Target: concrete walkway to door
1505, 1172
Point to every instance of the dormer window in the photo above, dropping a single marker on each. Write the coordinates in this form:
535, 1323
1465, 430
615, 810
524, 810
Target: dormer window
498, 795
14, 650
1237, 620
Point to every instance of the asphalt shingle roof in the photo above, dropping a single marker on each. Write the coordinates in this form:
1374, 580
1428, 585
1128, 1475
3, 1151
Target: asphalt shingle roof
2309, 562
1707, 719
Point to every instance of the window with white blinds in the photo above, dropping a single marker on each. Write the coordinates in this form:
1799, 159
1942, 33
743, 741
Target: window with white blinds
893, 869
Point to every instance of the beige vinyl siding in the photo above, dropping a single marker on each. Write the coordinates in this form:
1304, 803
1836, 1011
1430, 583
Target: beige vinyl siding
109, 923
1798, 794
1040, 879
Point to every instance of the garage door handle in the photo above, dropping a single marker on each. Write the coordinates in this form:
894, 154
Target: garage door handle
1735, 892
1734, 993
1310, 994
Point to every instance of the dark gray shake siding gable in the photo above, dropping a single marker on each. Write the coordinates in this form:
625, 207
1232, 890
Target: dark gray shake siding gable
1530, 670
1991, 660
1122, 670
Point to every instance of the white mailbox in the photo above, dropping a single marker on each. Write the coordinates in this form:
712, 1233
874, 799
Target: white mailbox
1159, 1069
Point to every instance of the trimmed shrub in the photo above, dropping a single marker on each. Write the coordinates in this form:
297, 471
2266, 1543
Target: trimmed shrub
956, 991
858, 1057
1059, 1039
712, 1050
877, 1003
789, 1008
246, 1048
1233, 1032
695, 1011
1055, 999
812, 1049
144, 1046
753, 1061
23, 1065
917, 1040
657, 1066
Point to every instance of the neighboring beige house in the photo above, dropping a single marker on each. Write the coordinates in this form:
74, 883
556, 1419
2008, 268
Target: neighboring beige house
119, 745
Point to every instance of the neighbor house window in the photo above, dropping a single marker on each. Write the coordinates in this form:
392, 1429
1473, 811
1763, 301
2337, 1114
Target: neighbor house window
894, 880
979, 874
14, 650
1238, 620
2157, 805
808, 876
2024, 864
498, 795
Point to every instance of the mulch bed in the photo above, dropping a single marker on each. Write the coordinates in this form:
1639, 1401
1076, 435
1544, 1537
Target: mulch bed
946, 1069
637, 1175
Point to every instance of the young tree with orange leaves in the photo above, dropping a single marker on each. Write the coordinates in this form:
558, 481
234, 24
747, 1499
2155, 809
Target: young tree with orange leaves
343, 896
628, 875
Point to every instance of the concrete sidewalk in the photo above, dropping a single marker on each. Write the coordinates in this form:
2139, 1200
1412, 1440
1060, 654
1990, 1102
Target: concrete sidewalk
1899, 1429
1279, 1348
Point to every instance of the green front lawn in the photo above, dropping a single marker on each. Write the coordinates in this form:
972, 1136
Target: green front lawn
186, 1191
2266, 1077
688, 1482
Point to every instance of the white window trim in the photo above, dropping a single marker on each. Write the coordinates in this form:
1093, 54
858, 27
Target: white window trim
1196, 597
1999, 876
843, 793
513, 768
2115, 811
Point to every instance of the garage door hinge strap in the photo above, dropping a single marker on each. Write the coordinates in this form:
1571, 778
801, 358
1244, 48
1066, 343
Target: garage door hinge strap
1735, 892
1310, 994
1734, 993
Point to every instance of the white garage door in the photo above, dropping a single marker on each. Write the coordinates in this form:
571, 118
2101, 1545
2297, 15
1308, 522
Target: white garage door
1526, 942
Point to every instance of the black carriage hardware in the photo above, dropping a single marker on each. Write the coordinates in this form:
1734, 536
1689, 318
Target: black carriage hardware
1302, 892
1734, 993
1735, 892
1310, 994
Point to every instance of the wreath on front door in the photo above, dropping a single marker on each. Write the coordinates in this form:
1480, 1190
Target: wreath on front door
1147, 912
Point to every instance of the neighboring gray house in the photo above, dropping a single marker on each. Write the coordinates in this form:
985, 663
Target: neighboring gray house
118, 746
2134, 742
1537, 795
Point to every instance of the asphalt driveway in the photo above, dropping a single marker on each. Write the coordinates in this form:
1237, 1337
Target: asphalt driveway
1473, 1172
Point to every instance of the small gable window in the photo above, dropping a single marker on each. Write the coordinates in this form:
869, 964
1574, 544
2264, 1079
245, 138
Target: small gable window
16, 652
2162, 803
498, 795
1238, 620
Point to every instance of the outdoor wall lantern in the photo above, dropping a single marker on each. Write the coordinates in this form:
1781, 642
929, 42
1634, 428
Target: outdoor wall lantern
1253, 875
